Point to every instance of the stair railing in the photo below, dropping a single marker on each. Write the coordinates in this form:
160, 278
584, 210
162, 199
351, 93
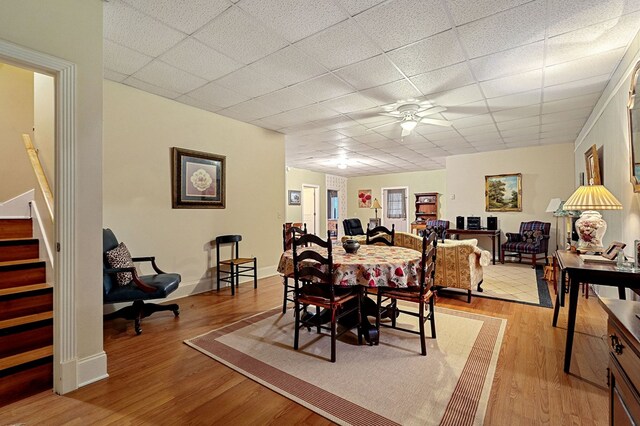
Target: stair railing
32, 152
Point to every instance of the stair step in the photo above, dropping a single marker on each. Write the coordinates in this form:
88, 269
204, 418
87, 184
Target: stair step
27, 337
22, 272
26, 319
26, 380
25, 357
24, 289
19, 249
26, 303
16, 228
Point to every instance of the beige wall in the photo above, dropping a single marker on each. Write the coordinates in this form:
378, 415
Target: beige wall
16, 118
547, 172
44, 122
427, 181
295, 179
139, 131
72, 30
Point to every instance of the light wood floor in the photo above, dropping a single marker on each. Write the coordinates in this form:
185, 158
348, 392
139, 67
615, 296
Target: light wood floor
156, 379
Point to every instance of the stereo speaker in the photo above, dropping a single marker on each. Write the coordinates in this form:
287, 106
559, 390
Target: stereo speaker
460, 222
492, 223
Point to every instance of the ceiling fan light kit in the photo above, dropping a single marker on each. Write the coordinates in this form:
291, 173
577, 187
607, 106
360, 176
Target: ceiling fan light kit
410, 114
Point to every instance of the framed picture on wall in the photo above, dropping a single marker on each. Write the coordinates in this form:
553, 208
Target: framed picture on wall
294, 197
592, 166
503, 193
197, 180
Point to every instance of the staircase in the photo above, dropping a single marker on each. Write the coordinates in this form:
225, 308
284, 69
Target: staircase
26, 314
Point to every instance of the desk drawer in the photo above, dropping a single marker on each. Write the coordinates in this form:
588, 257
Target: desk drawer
625, 354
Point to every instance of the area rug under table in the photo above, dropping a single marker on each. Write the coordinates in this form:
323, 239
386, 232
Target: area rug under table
390, 383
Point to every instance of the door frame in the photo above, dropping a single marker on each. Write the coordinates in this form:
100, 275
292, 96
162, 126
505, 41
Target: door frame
65, 333
316, 201
406, 197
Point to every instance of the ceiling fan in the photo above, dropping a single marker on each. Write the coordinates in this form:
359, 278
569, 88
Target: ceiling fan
410, 114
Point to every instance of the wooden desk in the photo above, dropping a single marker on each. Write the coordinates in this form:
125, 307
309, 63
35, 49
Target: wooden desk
480, 233
572, 267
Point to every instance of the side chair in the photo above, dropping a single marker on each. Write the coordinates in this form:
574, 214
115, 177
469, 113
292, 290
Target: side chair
288, 235
381, 234
423, 295
238, 266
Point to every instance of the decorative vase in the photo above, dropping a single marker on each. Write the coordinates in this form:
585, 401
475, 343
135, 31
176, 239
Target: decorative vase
351, 246
591, 228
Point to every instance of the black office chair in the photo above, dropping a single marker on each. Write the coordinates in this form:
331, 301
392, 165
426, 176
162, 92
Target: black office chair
381, 234
238, 266
352, 227
288, 235
121, 282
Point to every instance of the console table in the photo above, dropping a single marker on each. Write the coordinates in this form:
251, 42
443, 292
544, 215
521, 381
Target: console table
491, 233
576, 271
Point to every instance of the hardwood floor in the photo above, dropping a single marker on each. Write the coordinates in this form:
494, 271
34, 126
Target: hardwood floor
156, 379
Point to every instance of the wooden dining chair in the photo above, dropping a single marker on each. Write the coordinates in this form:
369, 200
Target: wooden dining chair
423, 295
381, 234
313, 275
288, 235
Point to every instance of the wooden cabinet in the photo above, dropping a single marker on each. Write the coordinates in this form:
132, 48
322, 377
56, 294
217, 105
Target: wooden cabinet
624, 361
426, 207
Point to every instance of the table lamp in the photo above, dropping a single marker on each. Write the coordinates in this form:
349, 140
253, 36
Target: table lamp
591, 227
376, 205
553, 206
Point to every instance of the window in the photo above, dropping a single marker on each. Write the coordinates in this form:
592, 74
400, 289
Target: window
396, 207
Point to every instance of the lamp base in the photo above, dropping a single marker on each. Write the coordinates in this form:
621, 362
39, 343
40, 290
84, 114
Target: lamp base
590, 228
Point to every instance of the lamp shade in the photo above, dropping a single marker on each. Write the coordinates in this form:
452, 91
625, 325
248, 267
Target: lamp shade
554, 204
376, 204
592, 197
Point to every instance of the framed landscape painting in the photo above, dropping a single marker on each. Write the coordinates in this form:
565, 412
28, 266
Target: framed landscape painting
503, 193
197, 180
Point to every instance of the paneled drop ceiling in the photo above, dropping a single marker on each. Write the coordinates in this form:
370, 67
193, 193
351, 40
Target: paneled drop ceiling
511, 73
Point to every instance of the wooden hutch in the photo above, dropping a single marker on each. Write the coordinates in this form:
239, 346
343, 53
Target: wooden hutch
426, 209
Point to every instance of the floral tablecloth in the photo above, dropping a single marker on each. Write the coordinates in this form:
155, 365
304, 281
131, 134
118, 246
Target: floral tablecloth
372, 266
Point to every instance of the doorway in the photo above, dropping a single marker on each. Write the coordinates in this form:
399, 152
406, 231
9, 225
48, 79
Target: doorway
310, 203
394, 208
333, 208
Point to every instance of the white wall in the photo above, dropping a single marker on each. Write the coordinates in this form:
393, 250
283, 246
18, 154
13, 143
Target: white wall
547, 172
295, 178
139, 130
72, 30
44, 122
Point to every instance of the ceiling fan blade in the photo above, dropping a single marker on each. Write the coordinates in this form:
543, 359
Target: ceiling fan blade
394, 114
430, 111
435, 122
405, 132
382, 125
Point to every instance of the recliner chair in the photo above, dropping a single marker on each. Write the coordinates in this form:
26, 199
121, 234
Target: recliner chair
138, 289
353, 227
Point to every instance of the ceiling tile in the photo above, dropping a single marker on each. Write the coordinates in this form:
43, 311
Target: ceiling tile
114, 75
188, 100
591, 66
354, 7
464, 11
565, 16
417, 19
128, 27
513, 61
517, 83
392, 92
509, 114
478, 130
566, 115
514, 27
199, 59
186, 18
249, 83
460, 96
285, 99
484, 139
515, 101
295, 19
288, 66
522, 122
576, 88
446, 78
122, 59
432, 53
253, 110
323, 88
240, 36
598, 38
151, 88
521, 131
577, 102
472, 121
168, 77
349, 103
354, 45
568, 125
217, 95
371, 72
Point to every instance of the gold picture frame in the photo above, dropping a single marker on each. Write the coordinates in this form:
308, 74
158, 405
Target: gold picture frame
503, 193
592, 168
197, 179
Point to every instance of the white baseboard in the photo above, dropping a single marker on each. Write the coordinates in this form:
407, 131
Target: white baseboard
92, 368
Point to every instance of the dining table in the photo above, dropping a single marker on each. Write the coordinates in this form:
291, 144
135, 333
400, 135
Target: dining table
371, 266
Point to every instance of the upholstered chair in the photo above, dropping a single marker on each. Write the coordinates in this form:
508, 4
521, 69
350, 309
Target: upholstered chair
531, 240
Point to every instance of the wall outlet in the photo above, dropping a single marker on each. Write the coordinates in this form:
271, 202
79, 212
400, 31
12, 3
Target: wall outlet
452, 196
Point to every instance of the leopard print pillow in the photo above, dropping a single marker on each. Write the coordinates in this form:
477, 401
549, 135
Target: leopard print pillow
120, 257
